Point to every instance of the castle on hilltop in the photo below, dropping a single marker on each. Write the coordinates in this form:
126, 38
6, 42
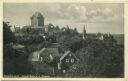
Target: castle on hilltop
38, 26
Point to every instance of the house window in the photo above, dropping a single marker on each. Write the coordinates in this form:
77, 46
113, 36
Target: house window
64, 71
59, 66
38, 56
67, 60
70, 55
41, 59
72, 60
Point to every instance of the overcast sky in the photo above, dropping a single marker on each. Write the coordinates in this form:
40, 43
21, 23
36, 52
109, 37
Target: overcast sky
100, 17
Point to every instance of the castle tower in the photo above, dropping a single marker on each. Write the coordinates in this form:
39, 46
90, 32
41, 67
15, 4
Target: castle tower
84, 33
37, 20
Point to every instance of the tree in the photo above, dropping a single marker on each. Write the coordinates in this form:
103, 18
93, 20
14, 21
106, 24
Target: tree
8, 36
72, 43
98, 59
15, 61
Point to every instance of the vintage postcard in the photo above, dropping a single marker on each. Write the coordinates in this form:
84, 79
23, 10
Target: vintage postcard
63, 40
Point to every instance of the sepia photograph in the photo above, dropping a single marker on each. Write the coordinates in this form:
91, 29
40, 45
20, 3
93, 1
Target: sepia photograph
63, 40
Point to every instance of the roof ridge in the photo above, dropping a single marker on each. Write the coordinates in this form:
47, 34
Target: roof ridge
42, 50
64, 55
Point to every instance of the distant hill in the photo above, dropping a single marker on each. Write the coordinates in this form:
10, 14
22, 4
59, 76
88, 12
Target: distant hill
119, 38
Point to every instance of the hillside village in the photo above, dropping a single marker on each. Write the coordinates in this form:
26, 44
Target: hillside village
48, 50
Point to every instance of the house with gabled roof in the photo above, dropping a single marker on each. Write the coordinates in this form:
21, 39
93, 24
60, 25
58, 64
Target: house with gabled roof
67, 60
61, 61
50, 56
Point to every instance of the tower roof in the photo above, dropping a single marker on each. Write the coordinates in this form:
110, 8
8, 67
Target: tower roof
37, 14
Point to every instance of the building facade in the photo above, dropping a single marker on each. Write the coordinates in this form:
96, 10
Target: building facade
37, 20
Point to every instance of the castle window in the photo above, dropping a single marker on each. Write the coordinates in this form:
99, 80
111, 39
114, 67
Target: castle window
31, 17
38, 17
